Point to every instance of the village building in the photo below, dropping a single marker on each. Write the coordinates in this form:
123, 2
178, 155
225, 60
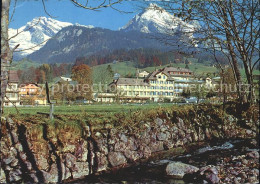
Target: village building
12, 97
142, 74
32, 94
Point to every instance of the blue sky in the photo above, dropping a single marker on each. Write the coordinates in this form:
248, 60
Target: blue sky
64, 10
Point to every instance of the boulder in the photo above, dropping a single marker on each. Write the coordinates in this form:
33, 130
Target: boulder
158, 122
178, 170
42, 162
253, 154
210, 174
156, 146
131, 155
81, 169
2, 176
161, 136
70, 160
116, 158
15, 175
101, 161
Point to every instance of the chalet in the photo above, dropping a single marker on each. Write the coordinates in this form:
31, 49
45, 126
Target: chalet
32, 94
12, 97
143, 74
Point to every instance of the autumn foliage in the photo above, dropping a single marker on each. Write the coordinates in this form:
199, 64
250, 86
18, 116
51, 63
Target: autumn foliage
83, 75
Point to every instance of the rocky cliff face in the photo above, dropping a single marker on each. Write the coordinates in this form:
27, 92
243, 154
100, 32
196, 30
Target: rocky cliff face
54, 152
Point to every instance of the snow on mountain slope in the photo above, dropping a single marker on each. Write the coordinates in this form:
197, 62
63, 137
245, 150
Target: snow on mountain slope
155, 19
35, 32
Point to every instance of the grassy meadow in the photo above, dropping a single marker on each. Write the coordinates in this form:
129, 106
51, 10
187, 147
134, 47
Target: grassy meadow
102, 109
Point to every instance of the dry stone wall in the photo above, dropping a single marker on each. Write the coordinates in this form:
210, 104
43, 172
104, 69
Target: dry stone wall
41, 156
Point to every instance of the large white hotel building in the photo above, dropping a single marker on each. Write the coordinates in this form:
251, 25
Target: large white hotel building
167, 83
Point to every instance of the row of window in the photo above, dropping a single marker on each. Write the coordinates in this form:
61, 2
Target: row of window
161, 93
161, 82
161, 87
135, 87
11, 95
9, 86
150, 93
30, 90
184, 73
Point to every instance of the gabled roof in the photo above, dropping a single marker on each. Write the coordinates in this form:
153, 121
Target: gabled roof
13, 77
172, 69
156, 72
30, 86
130, 82
66, 78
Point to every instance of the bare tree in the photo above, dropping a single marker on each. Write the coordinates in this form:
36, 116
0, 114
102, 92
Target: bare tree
7, 52
230, 27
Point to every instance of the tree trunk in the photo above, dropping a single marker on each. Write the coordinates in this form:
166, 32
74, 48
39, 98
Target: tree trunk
232, 54
6, 53
250, 82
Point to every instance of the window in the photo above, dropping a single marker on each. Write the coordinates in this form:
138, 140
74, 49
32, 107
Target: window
161, 82
159, 77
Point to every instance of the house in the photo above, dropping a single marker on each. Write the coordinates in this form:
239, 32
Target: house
115, 62
29, 89
63, 79
143, 74
116, 76
12, 97
32, 94
66, 79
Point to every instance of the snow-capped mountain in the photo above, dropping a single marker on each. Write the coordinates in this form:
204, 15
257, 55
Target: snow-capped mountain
35, 34
155, 19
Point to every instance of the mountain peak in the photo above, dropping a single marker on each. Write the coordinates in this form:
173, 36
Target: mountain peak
154, 6
153, 19
35, 32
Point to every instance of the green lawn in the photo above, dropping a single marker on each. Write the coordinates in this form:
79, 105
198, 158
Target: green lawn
89, 109
126, 67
